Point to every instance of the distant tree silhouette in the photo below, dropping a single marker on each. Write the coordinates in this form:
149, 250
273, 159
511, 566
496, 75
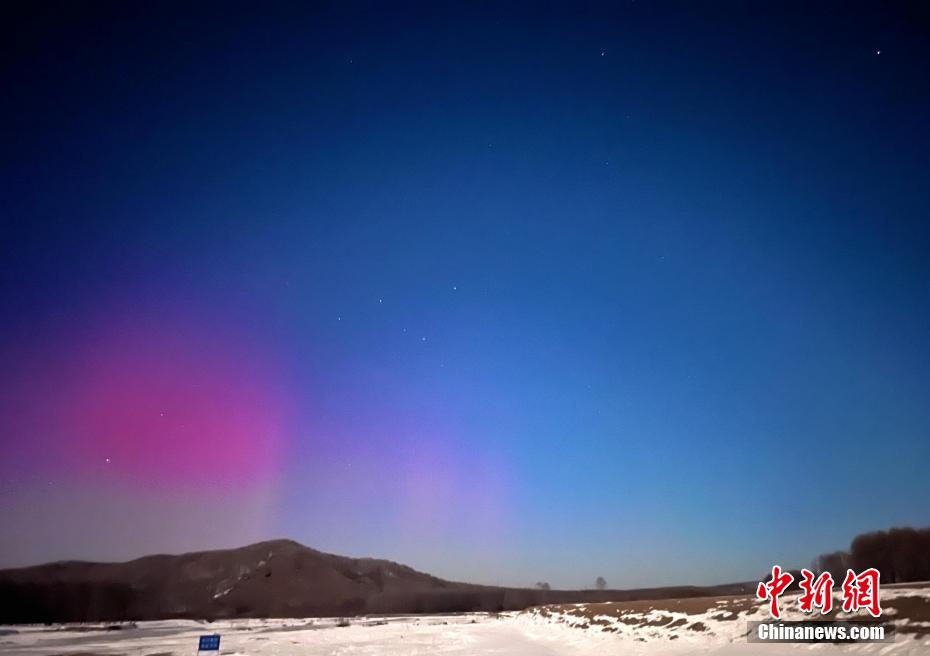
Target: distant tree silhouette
601, 583
836, 563
900, 554
542, 585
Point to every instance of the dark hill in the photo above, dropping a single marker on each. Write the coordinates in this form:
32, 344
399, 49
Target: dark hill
280, 578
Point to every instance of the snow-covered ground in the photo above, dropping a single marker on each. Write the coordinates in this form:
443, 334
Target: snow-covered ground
720, 625
447, 635
669, 628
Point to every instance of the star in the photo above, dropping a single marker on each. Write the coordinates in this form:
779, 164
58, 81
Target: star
878, 52
603, 53
454, 288
422, 339
108, 461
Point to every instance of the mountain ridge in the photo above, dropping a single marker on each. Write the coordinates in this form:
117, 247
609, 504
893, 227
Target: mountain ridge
272, 578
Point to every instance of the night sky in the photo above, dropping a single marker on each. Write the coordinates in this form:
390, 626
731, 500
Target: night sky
507, 293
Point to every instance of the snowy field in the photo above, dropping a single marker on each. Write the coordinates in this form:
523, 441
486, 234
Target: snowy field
514, 634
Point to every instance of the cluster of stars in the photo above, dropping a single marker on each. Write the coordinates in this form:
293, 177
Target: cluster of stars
381, 302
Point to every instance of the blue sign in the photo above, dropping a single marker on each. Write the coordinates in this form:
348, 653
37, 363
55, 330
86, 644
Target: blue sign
209, 643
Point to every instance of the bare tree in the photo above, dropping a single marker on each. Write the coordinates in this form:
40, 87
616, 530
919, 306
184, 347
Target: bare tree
836, 562
601, 583
901, 554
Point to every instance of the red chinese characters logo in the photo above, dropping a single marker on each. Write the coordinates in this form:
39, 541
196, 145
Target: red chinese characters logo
817, 592
774, 589
860, 591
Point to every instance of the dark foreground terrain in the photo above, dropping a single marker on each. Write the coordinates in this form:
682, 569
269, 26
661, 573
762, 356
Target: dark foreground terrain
280, 578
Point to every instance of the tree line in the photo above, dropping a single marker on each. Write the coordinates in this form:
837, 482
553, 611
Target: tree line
900, 554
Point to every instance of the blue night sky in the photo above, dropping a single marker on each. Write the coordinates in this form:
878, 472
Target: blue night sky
506, 292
